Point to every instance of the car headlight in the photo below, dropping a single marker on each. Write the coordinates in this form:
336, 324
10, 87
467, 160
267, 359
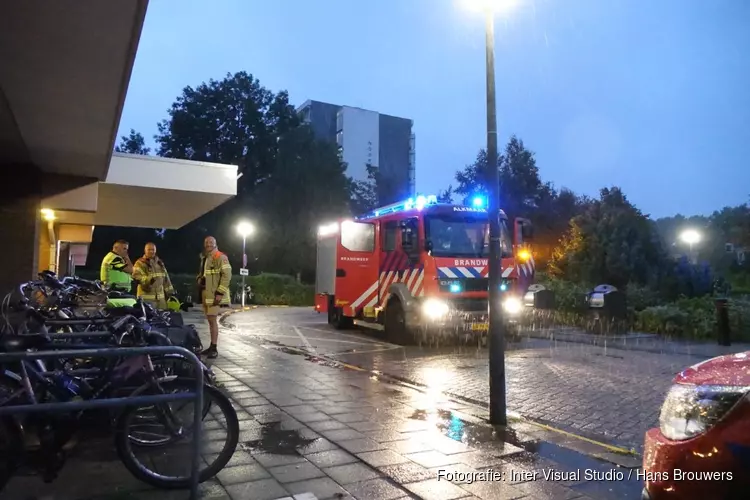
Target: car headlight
512, 305
690, 410
434, 308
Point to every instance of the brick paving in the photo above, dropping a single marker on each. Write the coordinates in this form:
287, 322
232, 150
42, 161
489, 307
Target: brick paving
608, 393
312, 431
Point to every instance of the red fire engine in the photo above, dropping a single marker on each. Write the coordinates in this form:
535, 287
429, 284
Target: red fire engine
418, 266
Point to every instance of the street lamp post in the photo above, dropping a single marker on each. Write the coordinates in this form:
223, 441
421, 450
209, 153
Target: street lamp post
496, 330
245, 229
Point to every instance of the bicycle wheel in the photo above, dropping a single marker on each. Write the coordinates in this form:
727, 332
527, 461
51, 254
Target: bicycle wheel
222, 415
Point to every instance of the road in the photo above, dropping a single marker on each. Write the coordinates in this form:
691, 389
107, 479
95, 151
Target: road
606, 394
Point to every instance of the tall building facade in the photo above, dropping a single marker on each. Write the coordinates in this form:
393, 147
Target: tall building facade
368, 138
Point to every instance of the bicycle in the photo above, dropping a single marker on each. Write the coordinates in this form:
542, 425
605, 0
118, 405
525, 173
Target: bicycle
34, 385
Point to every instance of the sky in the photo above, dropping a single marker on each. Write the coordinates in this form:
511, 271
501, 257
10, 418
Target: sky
653, 97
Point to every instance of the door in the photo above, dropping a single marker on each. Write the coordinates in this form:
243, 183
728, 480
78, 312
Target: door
357, 268
389, 245
409, 269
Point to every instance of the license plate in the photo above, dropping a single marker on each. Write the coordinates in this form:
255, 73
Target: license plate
479, 327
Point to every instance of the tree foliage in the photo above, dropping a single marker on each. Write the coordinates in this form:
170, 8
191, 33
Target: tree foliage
365, 195
234, 121
446, 195
610, 242
133, 143
290, 182
524, 194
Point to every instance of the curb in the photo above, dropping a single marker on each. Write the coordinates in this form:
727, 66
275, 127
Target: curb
617, 455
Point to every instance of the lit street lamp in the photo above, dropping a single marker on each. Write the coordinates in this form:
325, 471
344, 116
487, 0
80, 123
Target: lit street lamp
691, 237
496, 330
244, 229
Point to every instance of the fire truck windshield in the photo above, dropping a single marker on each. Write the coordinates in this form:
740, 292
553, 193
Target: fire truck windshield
463, 236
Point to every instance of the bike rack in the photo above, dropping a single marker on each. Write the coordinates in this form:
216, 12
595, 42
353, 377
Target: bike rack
114, 352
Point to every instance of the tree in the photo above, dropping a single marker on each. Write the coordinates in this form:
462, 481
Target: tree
377, 191
446, 195
290, 182
133, 143
234, 121
524, 194
611, 242
308, 188
521, 188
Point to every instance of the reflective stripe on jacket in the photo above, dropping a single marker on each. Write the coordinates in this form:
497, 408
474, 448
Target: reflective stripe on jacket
144, 270
217, 273
113, 273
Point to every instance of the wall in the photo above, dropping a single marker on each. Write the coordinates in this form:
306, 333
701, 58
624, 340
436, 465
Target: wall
321, 117
20, 202
360, 140
395, 151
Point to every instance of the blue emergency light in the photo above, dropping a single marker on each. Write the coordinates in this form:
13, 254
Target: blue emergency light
479, 202
455, 288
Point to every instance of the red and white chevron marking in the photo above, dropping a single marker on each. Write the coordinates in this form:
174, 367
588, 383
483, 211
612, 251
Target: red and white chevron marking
527, 268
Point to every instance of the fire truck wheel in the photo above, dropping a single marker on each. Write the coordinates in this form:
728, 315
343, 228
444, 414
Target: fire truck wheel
396, 330
339, 321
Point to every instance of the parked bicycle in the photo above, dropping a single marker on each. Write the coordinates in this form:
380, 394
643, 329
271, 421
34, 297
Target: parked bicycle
33, 323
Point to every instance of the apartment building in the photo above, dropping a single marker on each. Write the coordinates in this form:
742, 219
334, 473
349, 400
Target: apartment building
365, 138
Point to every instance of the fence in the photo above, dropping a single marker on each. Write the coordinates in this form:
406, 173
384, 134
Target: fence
114, 352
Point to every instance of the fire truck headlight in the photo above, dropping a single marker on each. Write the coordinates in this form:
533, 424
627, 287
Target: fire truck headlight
512, 306
435, 309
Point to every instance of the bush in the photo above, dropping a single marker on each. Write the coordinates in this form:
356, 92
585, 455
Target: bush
569, 297
277, 289
268, 289
641, 298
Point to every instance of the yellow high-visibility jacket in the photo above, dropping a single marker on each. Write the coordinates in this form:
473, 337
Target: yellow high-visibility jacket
215, 275
145, 270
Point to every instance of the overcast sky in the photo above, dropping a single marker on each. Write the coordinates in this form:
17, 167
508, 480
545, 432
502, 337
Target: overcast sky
651, 96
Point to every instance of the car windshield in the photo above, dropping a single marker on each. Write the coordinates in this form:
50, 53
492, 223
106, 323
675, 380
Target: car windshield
463, 236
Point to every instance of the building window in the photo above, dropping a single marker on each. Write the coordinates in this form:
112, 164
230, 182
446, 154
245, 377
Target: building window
340, 138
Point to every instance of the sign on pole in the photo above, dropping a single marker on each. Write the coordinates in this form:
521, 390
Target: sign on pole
243, 272
244, 260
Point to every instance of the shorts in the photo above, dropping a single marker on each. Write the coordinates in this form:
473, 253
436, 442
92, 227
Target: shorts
208, 308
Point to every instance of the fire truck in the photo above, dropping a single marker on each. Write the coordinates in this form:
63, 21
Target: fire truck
419, 268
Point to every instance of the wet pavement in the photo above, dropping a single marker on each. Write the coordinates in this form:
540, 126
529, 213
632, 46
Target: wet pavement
611, 393
312, 429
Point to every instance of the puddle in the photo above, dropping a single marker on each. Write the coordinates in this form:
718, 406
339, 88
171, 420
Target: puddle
275, 440
457, 429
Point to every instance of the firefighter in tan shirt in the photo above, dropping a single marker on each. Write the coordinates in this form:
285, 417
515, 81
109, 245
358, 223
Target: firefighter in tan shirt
213, 279
154, 285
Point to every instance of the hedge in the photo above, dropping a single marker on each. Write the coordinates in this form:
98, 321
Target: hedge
268, 289
689, 318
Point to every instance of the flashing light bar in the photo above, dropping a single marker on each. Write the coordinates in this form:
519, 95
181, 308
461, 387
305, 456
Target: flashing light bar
419, 203
479, 202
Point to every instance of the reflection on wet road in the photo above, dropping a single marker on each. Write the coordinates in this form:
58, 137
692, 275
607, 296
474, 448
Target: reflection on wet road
589, 390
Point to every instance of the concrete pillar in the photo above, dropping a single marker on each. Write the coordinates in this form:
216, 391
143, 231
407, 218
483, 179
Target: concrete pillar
20, 220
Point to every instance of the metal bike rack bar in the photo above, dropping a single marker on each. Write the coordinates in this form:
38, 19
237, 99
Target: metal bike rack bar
115, 352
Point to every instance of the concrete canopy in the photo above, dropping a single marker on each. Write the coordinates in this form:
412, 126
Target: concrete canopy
65, 71
65, 66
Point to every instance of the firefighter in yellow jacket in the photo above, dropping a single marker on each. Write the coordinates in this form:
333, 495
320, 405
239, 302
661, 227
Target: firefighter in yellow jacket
213, 280
154, 285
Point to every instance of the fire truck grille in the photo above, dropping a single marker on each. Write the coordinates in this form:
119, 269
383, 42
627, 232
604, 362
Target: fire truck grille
467, 284
469, 305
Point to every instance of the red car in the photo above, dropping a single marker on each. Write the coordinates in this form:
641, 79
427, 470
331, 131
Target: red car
701, 449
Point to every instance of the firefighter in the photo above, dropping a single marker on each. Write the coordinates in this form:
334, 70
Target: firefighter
154, 285
116, 268
213, 281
